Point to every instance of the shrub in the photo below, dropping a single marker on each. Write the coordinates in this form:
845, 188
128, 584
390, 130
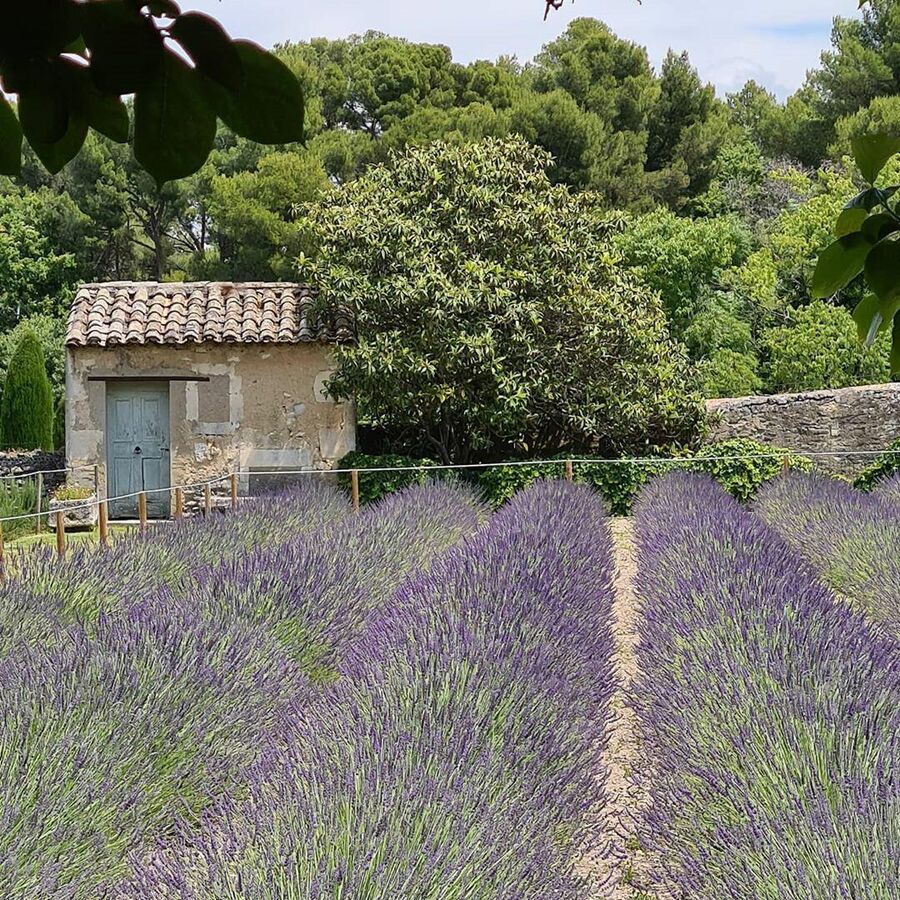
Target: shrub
470, 715
730, 373
26, 410
747, 467
492, 314
375, 485
743, 466
72, 492
850, 538
17, 498
885, 466
821, 349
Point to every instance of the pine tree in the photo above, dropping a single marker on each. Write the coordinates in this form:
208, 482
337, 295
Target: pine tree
26, 410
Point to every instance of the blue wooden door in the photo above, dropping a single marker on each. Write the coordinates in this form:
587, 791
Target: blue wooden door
137, 446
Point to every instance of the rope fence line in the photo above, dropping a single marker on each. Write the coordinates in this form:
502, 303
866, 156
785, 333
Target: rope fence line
25, 475
355, 473
234, 477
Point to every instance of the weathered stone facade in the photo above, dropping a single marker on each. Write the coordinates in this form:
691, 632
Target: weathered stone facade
841, 422
232, 407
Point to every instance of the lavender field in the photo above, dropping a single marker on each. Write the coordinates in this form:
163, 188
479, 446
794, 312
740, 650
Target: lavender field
294, 701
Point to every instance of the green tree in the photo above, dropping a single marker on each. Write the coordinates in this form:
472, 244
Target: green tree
26, 409
686, 130
33, 278
254, 214
864, 62
682, 258
491, 314
730, 373
820, 349
611, 79
51, 332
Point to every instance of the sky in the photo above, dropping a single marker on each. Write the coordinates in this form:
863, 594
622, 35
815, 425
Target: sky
730, 41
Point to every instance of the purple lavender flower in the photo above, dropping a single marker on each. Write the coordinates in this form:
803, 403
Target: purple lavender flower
771, 712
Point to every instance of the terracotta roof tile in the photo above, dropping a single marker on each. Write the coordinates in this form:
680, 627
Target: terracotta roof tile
162, 313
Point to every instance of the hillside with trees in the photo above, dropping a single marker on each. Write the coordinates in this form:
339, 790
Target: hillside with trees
719, 204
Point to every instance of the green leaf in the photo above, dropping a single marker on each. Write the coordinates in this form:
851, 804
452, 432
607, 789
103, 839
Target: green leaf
126, 48
56, 154
104, 112
849, 221
44, 113
871, 197
879, 226
872, 151
839, 264
268, 108
10, 140
210, 48
883, 270
167, 8
174, 124
868, 318
895, 348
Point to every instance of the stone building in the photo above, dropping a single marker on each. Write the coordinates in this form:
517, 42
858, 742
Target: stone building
172, 384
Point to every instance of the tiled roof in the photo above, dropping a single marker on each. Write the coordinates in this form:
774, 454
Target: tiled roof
107, 315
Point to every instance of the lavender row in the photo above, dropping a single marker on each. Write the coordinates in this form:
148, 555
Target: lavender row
457, 755
771, 713
851, 538
49, 592
115, 731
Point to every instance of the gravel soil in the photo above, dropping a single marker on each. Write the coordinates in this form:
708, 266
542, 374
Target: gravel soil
615, 865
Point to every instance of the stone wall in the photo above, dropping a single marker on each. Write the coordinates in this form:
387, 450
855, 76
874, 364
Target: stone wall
248, 407
841, 422
25, 462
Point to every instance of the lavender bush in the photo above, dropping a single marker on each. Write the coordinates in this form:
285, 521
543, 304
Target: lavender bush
771, 712
315, 594
851, 538
117, 732
456, 756
48, 592
889, 489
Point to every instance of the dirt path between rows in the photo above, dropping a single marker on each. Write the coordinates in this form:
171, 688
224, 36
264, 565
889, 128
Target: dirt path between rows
615, 866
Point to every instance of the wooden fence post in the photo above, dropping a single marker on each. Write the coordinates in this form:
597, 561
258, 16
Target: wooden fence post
354, 489
38, 503
2, 556
179, 503
104, 524
570, 470
786, 464
207, 500
142, 510
234, 491
60, 534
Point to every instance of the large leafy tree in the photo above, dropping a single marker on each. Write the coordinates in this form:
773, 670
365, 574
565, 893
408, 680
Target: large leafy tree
492, 316
34, 278
70, 63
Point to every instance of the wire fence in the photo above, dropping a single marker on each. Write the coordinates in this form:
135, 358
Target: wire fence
239, 475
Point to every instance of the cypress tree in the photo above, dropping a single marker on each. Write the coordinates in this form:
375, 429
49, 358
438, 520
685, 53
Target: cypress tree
26, 410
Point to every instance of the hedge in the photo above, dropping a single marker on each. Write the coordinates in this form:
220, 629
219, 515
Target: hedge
741, 466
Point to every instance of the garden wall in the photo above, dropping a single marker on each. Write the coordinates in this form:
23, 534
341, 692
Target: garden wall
838, 421
24, 462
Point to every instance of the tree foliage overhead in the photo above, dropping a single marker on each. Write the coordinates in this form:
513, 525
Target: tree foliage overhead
70, 64
491, 315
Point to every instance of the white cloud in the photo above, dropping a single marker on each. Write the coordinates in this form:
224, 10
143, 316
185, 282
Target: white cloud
774, 41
